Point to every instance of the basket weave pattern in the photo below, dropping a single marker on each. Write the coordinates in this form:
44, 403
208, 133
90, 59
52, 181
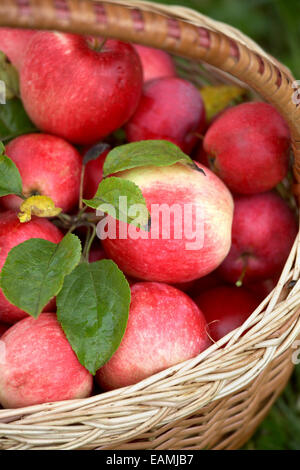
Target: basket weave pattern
217, 399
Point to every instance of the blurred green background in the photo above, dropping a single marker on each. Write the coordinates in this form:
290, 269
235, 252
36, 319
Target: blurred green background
275, 25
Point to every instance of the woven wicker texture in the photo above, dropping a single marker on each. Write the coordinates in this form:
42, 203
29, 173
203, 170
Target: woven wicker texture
218, 398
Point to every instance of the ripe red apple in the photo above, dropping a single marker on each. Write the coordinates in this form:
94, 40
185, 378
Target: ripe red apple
170, 109
201, 156
3, 328
248, 146
14, 42
156, 63
96, 253
49, 166
12, 233
263, 231
185, 286
263, 288
39, 366
93, 175
226, 308
165, 327
84, 90
209, 281
180, 247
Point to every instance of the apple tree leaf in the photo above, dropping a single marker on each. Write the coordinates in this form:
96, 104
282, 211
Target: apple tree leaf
40, 206
10, 178
145, 153
14, 120
9, 76
34, 271
118, 198
219, 97
92, 308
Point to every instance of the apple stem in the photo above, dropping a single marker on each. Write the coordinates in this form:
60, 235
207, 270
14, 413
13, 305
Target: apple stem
64, 218
95, 44
101, 45
239, 282
200, 136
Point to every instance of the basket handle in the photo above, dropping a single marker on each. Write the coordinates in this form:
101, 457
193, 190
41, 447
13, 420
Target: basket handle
175, 29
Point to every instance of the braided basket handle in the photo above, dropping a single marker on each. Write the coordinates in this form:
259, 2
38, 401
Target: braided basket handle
175, 29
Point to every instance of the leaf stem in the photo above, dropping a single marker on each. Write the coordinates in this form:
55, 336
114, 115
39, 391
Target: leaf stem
81, 187
239, 282
89, 240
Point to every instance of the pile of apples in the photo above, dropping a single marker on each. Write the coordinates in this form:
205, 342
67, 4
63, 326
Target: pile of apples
78, 91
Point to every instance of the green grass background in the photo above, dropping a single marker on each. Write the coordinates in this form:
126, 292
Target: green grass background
275, 25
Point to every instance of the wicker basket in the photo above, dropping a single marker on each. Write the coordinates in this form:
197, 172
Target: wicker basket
216, 400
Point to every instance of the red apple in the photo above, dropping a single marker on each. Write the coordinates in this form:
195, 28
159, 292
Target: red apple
49, 166
165, 327
12, 233
170, 109
84, 90
207, 282
201, 156
156, 63
263, 288
180, 247
96, 253
93, 174
263, 231
39, 366
248, 146
226, 308
185, 286
3, 328
14, 42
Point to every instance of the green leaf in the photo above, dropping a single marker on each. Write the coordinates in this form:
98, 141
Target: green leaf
92, 308
10, 77
10, 178
145, 153
118, 197
14, 120
34, 271
2, 148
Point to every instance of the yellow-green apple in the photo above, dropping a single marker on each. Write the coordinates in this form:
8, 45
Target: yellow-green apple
263, 231
84, 89
170, 109
164, 327
14, 42
226, 308
49, 166
12, 233
156, 63
248, 147
38, 365
190, 234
